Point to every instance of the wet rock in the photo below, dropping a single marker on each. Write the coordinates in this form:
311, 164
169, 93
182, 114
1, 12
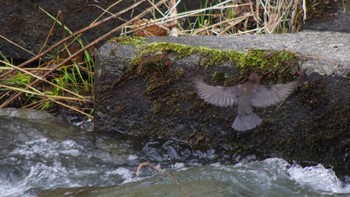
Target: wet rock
37, 136
146, 89
331, 16
25, 24
22, 125
25, 114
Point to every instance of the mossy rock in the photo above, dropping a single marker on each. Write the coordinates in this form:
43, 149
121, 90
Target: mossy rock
154, 97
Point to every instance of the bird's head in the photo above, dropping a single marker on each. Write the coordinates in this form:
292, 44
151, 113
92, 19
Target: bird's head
254, 78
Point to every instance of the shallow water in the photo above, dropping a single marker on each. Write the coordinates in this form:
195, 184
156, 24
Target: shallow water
41, 156
271, 177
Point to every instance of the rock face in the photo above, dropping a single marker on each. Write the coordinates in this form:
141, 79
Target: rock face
24, 23
145, 88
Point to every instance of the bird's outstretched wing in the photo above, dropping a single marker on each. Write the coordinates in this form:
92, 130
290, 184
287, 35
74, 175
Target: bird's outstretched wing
216, 95
270, 95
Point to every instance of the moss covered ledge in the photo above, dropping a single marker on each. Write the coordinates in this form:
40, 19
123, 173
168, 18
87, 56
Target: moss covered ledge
276, 65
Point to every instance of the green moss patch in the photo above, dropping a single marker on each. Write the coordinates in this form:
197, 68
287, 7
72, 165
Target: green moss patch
275, 66
128, 40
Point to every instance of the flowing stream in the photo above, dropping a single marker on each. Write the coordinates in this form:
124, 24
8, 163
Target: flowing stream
43, 156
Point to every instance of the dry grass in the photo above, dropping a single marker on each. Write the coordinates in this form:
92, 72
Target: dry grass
230, 17
67, 79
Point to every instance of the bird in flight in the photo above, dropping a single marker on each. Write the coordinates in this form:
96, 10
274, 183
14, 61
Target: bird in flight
246, 96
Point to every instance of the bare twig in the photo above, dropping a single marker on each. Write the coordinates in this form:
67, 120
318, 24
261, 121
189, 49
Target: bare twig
51, 30
105, 10
173, 13
163, 172
41, 79
10, 41
59, 102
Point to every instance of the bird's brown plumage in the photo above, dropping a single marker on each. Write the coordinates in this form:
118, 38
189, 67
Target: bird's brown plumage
245, 95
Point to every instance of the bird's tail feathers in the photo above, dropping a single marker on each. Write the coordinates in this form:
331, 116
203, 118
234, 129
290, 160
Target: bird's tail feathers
246, 122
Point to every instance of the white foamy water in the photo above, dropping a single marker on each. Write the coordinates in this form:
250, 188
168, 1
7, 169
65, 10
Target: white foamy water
318, 178
60, 161
271, 177
44, 164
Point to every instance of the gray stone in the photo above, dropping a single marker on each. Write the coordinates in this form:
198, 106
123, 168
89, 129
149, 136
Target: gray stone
25, 113
156, 98
326, 52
